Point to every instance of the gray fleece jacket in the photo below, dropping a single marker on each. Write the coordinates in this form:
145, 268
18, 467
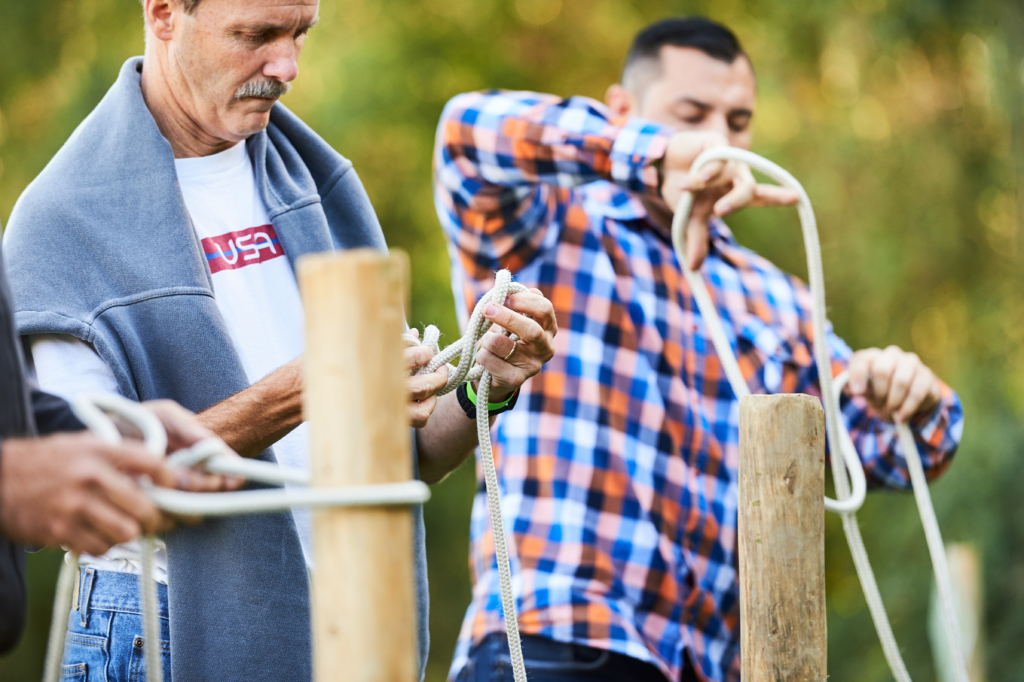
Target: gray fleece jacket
100, 246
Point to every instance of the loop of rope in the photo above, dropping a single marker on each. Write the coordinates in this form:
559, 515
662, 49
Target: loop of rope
843, 452
833, 419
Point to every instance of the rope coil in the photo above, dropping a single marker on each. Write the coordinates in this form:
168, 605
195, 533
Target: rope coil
468, 370
843, 453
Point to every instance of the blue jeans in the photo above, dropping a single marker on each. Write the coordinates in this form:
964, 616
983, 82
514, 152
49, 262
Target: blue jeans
550, 661
104, 641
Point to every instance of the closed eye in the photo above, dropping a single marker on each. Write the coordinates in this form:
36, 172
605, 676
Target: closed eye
740, 122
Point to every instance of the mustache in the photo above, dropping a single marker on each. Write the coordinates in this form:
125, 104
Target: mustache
269, 89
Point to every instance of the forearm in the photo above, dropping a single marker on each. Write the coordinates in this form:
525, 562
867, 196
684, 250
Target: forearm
446, 441
544, 139
254, 419
499, 179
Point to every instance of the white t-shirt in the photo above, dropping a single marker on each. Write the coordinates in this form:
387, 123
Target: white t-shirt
256, 293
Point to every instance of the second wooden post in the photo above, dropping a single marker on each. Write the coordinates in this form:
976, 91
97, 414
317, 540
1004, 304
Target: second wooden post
782, 539
354, 396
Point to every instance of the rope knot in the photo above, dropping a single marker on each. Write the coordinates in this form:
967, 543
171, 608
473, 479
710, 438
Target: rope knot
466, 347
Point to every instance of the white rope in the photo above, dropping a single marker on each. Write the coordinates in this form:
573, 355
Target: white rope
59, 621
468, 370
844, 456
215, 457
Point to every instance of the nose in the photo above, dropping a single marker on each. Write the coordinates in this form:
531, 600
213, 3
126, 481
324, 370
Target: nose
283, 62
717, 123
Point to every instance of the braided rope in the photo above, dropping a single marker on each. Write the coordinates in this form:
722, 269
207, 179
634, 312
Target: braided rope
844, 455
468, 370
216, 457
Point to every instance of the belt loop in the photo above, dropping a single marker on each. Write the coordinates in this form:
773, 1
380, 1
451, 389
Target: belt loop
88, 580
78, 587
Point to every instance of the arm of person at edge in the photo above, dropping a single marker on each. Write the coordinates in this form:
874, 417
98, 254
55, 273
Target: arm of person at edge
504, 164
74, 491
886, 387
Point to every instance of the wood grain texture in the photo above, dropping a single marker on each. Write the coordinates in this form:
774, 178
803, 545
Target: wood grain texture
782, 539
364, 613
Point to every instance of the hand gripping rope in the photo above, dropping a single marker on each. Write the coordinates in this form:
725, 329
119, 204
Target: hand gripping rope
213, 456
844, 455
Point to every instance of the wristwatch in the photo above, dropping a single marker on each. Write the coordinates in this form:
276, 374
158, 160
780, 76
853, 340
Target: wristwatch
467, 401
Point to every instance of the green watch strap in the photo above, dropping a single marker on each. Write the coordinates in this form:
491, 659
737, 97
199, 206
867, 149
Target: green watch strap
490, 406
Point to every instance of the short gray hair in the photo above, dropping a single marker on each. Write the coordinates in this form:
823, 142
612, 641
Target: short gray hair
188, 5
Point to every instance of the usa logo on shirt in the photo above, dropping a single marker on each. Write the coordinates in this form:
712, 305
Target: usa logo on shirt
234, 250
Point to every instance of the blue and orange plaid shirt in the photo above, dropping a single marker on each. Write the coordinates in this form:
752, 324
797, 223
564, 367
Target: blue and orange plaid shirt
619, 466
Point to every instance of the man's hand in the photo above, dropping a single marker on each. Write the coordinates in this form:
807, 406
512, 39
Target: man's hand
75, 491
896, 383
721, 188
183, 431
529, 316
422, 388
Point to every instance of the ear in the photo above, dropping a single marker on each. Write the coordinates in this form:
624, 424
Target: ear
159, 16
620, 100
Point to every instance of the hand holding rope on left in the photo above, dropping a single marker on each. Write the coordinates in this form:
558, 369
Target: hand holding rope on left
161, 426
76, 491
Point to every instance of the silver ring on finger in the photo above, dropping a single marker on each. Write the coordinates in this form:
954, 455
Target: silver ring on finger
515, 344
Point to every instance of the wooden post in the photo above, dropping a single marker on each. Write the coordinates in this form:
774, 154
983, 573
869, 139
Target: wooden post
782, 539
363, 600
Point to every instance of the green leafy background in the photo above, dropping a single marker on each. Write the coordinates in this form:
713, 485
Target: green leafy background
904, 119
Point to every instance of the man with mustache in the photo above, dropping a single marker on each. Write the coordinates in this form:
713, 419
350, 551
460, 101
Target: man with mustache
153, 257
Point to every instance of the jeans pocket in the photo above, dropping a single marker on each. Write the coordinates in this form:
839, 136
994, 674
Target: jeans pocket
78, 672
81, 653
137, 665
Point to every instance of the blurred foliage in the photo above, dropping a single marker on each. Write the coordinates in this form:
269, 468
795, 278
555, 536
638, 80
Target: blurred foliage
904, 119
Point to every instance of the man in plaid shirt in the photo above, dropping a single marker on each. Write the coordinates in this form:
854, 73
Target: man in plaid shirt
619, 468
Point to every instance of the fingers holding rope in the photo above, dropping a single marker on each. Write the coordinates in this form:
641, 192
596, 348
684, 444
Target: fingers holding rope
422, 390
718, 186
530, 319
894, 382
